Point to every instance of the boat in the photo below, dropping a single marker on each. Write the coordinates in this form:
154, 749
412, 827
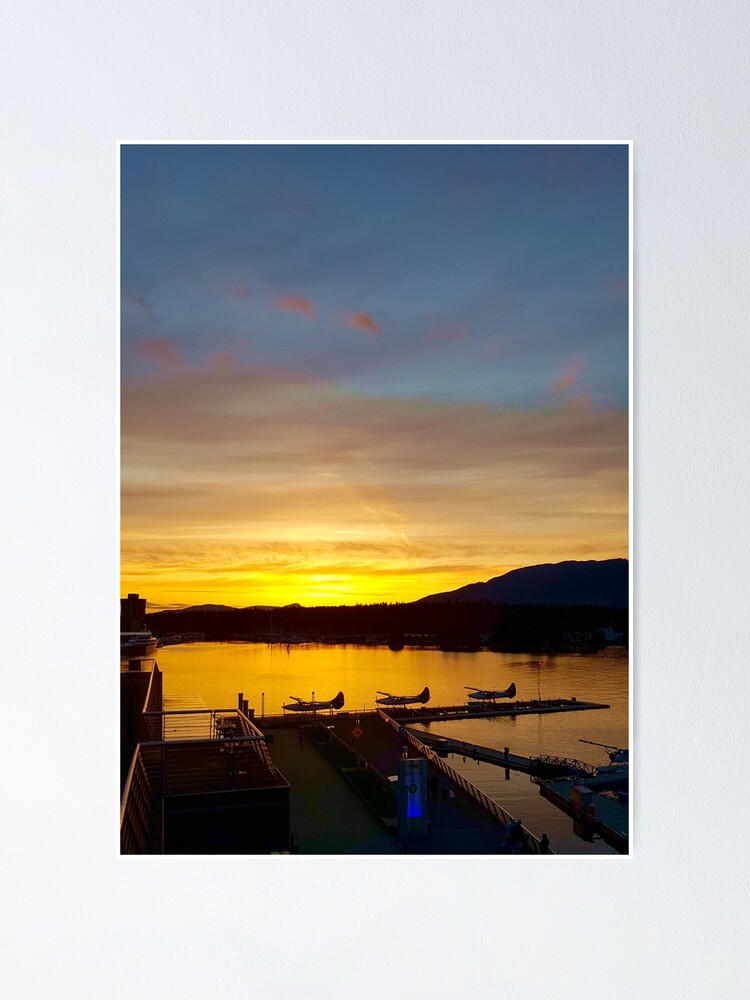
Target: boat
136, 639
403, 699
480, 695
284, 640
314, 706
170, 640
137, 644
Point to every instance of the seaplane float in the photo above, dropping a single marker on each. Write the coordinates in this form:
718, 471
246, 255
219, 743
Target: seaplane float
299, 705
403, 699
479, 695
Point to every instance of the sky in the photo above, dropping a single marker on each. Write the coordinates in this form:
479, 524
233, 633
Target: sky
360, 373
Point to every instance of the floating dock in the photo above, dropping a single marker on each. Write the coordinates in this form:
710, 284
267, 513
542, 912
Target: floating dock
545, 766
442, 713
582, 799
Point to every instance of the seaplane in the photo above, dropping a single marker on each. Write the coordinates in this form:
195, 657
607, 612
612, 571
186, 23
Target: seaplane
403, 699
314, 706
617, 755
480, 695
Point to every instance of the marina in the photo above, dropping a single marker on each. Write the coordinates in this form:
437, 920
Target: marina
201, 679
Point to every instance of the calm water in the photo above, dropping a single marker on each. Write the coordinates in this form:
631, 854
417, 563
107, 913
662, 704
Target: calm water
218, 671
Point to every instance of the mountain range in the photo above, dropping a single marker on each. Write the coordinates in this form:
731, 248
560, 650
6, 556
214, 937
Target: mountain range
603, 582
226, 607
600, 582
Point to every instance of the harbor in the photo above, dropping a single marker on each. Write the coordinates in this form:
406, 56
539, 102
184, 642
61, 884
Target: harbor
488, 799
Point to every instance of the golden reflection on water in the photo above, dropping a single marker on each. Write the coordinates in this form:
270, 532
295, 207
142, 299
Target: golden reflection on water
268, 675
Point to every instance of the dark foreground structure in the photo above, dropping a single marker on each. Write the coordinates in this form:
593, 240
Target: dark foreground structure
195, 781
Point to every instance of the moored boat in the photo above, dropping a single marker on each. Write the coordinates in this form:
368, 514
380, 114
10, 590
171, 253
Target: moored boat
136, 644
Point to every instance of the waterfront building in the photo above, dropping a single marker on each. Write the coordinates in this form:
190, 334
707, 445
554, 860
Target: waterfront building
132, 613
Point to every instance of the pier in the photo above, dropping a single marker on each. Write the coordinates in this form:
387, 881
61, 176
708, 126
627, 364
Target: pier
546, 766
440, 713
468, 822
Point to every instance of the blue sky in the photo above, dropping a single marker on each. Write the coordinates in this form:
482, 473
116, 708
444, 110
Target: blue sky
369, 372
489, 270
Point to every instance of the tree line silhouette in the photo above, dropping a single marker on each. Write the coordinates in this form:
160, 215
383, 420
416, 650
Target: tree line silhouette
451, 625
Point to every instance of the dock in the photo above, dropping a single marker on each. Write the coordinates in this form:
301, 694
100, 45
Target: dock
320, 799
583, 799
443, 713
547, 765
325, 815
467, 822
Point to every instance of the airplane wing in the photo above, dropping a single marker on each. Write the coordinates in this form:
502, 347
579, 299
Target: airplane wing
294, 697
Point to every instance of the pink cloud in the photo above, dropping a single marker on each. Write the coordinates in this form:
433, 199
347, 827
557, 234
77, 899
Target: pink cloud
161, 350
295, 303
238, 290
362, 321
568, 378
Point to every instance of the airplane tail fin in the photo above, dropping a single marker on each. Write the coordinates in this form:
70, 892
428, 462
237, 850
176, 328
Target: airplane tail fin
338, 701
424, 696
512, 690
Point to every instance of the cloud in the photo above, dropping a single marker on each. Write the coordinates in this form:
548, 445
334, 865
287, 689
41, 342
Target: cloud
567, 379
262, 478
162, 351
138, 300
295, 303
238, 290
363, 321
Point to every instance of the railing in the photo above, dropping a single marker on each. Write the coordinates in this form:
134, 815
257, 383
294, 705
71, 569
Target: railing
199, 724
249, 728
218, 748
152, 704
135, 809
474, 793
567, 765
